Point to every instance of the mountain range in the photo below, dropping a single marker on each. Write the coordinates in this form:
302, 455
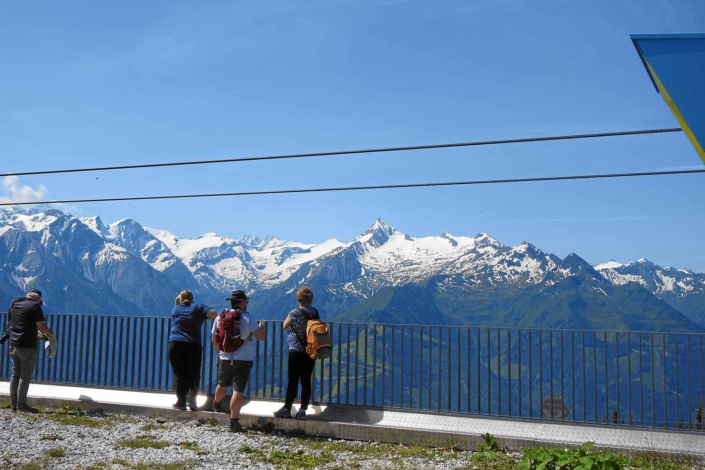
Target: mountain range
383, 276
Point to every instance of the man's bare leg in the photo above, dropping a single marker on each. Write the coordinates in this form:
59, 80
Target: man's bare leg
236, 404
219, 393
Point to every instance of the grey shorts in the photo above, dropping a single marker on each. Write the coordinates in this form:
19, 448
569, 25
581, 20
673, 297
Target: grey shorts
235, 373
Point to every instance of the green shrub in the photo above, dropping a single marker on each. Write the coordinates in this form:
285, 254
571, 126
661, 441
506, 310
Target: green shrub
542, 458
490, 445
143, 442
56, 452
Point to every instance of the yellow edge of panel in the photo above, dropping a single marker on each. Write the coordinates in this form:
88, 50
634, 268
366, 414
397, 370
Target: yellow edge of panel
679, 116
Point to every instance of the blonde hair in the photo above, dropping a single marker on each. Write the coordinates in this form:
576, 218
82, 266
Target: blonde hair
304, 296
185, 297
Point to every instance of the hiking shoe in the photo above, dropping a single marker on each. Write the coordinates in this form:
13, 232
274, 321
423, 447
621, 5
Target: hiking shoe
215, 407
301, 414
179, 406
235, 426
193, 406
27, 409
14, 407
283, 412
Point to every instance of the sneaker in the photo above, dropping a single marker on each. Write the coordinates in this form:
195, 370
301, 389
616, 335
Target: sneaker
27, 409
301, 414
235, 426
193, 406
283, 412
179, 406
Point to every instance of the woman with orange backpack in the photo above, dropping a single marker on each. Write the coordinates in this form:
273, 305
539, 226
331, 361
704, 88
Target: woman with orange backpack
300, 363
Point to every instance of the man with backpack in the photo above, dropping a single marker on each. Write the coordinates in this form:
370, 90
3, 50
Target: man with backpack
232, 335
26, 320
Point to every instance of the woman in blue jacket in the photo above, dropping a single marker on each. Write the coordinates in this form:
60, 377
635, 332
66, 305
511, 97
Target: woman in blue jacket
184, 347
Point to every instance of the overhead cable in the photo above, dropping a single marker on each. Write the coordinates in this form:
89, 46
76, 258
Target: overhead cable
345, 152
361, 188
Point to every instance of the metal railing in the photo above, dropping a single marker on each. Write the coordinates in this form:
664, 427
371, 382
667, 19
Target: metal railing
600, 377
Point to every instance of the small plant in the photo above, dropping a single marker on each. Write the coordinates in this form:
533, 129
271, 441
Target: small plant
56, 453
51, 437
542, 458
298, 459
151, 427
5, 406
143, 442
490, 445
190, 445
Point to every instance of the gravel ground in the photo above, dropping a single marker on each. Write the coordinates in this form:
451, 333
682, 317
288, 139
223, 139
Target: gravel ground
65, 439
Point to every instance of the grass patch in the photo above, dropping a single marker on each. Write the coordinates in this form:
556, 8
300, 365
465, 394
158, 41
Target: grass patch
77, 420
494, 460
289, 459
143, 442
95, 466
162, 466
5, 405
376, 450
652, 463
139, 466
151, 427
51, 437
190, 445
31, 466
56, 452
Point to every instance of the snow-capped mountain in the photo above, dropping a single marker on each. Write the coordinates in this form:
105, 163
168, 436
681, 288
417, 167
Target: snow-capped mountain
78, 269
683, 289
89, 266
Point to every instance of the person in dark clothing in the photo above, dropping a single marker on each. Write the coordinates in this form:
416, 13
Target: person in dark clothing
300, 364
26, 321
184, 348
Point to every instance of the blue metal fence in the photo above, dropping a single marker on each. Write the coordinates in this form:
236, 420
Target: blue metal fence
600, 377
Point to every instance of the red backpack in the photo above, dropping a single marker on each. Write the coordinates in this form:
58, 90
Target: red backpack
228, 335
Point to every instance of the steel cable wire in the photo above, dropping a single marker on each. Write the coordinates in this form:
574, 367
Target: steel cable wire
362, 188
345, 152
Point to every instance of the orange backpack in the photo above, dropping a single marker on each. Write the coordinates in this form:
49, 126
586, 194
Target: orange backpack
319, 344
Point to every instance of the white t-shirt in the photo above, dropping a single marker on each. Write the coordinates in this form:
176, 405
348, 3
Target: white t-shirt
247, 350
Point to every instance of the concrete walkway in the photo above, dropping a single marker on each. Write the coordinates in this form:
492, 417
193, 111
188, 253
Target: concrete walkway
383, 425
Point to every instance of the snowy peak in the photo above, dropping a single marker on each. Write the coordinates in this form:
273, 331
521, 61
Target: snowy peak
485, 240
380, 226
611, 264
377, 235
656, 279
30, 221
96, 225
249, 241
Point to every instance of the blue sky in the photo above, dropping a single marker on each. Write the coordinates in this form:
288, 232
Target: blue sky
139, 82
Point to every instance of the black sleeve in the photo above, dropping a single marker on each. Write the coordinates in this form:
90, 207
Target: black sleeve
39, 314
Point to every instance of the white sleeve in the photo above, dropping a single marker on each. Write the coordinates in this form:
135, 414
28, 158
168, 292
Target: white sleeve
216, 322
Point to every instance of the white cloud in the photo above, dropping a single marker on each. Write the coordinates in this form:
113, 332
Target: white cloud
14, 192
